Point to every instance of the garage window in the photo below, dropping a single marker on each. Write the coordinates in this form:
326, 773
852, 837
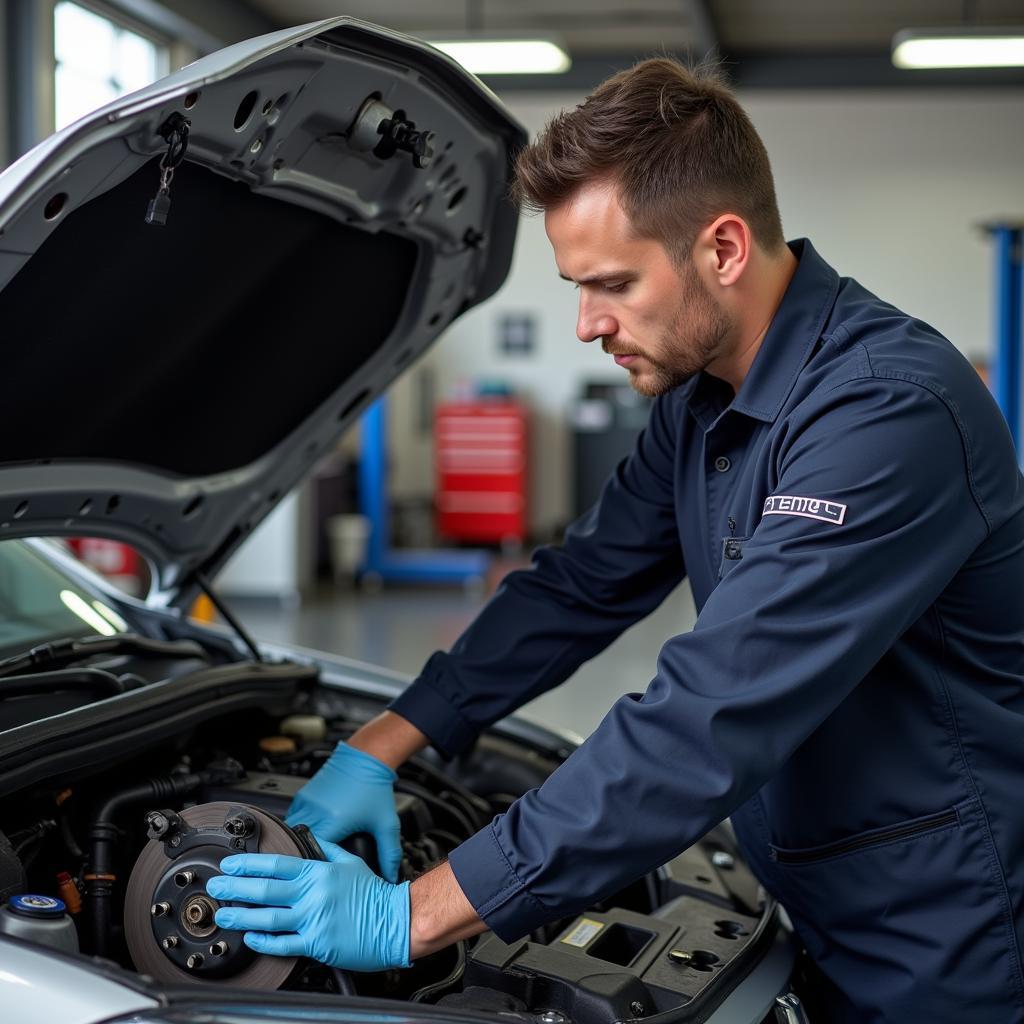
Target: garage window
97, 60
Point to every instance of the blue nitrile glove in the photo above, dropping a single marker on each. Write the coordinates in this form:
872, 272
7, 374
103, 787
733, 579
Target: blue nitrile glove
352, 793
336, 911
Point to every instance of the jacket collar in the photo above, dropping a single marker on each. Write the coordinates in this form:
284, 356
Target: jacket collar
787, 345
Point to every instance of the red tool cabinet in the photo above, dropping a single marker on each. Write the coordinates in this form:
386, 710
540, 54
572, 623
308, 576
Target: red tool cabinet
480, 460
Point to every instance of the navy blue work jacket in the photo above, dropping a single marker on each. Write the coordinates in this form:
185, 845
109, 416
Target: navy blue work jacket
852, 525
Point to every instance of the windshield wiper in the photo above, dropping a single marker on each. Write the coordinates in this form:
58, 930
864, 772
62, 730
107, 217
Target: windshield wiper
71, 649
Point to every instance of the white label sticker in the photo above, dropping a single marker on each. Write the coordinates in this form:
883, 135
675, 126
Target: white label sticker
808, 508
583, 932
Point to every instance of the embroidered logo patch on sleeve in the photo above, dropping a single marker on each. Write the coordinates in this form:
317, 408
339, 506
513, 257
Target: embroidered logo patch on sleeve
808, 508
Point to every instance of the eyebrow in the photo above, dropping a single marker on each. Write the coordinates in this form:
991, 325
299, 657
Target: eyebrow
614, 275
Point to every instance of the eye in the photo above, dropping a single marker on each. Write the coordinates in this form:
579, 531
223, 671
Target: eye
616, 288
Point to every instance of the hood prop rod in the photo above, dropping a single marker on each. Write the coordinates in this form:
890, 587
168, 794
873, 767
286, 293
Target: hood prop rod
206, 587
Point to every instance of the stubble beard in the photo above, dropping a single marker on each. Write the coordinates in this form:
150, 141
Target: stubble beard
691, 341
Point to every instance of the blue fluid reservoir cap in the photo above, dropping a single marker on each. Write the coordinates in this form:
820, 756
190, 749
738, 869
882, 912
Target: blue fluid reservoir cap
32, 905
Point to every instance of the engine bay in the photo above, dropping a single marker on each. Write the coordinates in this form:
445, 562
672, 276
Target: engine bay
129, 845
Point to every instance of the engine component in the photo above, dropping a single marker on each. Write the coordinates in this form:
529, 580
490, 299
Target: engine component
274, 793
12, 872
39, 919
308, 728
494, 1003
615, 965
268, 791
169, 918
278, 746
711, 870
69, 893
101, 877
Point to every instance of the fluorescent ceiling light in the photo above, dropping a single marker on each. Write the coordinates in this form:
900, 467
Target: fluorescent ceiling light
968, 47
86, 614
507, 56
111, 616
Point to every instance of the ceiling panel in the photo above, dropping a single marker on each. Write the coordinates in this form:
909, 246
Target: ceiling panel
752, 25
742, 25
586, 26
772, 42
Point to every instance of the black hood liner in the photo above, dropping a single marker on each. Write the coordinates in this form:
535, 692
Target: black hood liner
212, 338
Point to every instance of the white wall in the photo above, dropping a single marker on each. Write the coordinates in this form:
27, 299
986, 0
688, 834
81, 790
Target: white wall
890, 187
269, 564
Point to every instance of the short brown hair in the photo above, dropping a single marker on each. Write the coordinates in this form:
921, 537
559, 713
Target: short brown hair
676, 142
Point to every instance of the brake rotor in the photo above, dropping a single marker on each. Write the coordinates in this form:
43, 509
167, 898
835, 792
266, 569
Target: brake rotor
168, 917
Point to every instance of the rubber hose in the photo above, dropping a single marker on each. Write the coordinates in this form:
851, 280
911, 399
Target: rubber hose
100, 877
92, 680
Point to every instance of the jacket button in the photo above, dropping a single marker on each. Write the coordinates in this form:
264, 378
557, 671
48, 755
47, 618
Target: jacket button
722, 464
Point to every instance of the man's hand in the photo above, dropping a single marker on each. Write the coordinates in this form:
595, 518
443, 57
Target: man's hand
352, 793
336, 911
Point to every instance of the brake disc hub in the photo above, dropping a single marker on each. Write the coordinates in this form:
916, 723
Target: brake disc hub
169, 918
182, 918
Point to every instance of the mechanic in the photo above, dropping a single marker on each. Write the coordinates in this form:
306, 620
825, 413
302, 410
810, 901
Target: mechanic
842, 493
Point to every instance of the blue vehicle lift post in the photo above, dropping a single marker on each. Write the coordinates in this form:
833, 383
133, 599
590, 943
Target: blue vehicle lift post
382, 563
1008, 366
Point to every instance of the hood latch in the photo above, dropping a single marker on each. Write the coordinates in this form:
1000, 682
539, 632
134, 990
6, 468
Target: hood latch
385, 131
174, 131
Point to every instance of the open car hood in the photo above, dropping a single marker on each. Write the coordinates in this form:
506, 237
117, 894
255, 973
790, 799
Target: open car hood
166, 386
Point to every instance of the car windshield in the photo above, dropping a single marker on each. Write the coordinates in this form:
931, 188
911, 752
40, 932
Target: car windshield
39, 603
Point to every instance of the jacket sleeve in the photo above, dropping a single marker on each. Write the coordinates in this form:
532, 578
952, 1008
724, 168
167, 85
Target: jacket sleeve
618, 562
785, 636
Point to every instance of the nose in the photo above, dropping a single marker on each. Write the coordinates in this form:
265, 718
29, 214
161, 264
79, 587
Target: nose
592, 322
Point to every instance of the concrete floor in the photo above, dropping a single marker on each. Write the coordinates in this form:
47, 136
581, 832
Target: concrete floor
400, 628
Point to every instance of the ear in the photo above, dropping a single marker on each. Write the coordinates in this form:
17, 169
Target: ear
725, 245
